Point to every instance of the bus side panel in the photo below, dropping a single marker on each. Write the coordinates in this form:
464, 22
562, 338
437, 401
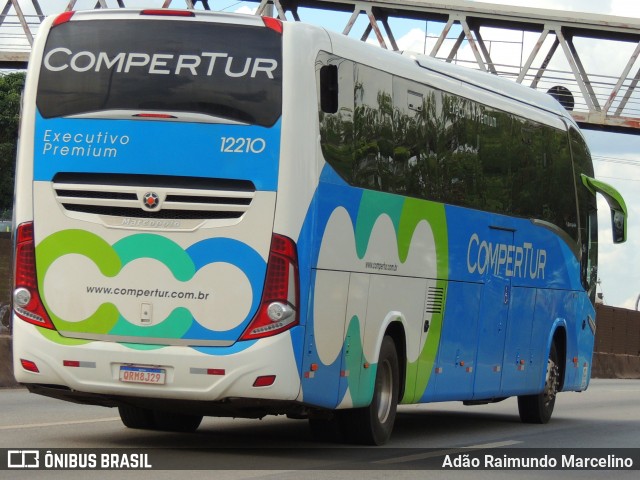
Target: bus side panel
394, 299
455, 367
581, 339
517, 365
539, 290
555, 310
352, 374
494, 307
326, 344
586, 344
391, 240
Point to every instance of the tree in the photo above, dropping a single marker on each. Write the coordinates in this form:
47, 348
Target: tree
11, 86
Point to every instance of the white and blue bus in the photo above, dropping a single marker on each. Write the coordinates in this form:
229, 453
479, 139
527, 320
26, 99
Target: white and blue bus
227, 215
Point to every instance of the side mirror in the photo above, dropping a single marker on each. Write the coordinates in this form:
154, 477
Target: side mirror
616, 204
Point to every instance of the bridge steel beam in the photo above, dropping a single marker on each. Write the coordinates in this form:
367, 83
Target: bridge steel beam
602, 101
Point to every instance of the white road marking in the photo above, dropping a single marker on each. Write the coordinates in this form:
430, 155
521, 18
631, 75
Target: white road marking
57, 424
451, 451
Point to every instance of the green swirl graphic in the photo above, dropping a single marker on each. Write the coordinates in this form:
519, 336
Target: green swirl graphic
110, 260
406, 214
159, 248
100, 252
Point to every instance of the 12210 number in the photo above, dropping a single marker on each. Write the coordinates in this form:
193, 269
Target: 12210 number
242, 145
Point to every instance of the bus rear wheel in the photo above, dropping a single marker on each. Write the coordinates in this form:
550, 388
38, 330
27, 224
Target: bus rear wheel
136, 417
176, 422
147, 419
538, 408
325, 429
372, 425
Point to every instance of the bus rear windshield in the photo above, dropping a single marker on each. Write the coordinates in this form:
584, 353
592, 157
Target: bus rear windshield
228, 71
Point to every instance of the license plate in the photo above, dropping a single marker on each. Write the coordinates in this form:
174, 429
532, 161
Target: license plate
153, 376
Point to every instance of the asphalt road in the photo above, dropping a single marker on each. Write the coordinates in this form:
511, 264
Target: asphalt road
606, 416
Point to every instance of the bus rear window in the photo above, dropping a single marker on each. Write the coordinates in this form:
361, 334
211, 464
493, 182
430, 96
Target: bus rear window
228, 71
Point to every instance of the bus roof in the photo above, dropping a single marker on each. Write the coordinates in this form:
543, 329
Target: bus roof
409, 64
485, 87
492, 82
162, 14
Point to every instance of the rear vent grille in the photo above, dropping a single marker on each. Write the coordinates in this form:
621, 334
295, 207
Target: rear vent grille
161, 215
435, 300
92, 194
153, 196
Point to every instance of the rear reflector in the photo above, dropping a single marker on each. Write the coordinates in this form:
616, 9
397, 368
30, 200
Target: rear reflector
29, 366
78, 364
208, 371
264, 381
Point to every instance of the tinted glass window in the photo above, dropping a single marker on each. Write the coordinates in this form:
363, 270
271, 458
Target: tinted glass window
229, 71
336, 129
373, 165
399, 136
587, 214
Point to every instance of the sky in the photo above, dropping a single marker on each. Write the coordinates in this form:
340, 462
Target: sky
616, 156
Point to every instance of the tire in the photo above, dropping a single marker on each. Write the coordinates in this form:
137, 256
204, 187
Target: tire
325, 429
372, 425
176, 422
147, 419
539, 408
136, 417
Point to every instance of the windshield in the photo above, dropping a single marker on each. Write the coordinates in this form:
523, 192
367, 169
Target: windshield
228, 71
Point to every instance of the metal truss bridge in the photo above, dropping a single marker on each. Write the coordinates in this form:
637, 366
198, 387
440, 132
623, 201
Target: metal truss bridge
587, 61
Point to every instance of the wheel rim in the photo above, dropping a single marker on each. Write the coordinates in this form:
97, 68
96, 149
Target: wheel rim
551, 383
385, 391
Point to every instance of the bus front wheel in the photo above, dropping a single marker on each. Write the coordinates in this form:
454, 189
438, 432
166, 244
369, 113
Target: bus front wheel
538, 408
372, 425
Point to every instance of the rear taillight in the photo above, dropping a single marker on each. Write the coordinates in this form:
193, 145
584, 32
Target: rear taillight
273, 23
26, 298
62, 18
278, 309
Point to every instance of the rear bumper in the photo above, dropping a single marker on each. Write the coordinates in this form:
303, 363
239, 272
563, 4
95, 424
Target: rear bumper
229, 407
212, 374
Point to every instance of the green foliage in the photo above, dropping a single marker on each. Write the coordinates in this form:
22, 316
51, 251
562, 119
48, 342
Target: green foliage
11, 86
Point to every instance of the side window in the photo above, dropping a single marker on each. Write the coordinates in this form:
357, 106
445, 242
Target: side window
483, 135
437, 140
543, 175
415, 118
559, 201
373, 166
394, 135
587, 214
530, 166
335, 93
